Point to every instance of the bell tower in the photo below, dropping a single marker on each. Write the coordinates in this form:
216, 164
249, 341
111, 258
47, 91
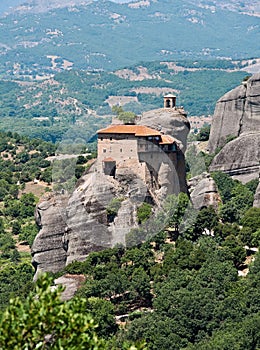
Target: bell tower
169, 101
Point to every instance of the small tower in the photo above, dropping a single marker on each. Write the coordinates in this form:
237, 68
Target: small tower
169, 101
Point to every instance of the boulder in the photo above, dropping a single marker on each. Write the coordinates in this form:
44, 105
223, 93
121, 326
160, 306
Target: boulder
203, 191
239, 158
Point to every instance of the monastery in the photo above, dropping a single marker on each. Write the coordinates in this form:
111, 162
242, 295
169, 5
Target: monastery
139, 150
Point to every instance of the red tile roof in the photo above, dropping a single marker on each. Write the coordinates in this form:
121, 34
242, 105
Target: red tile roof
137, 130
167, 140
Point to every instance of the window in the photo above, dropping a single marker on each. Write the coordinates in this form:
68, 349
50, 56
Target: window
104, 150
121, 150
101, 138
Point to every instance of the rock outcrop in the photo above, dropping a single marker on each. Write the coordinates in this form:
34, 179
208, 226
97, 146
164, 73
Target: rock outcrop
204, 192
169, 121
237, 115
48, 248
239, 158
174, 122
72, 227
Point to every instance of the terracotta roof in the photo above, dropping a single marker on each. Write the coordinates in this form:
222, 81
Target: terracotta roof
137, 130
109, 159
167, 140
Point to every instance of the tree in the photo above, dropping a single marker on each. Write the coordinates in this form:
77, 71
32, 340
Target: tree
43, 321
125, 117
207, 219
143, 212
203, 135
251, 219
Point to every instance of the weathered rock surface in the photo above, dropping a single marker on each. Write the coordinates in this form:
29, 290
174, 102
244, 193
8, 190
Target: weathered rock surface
169, 121
237, 114
203, 191
72, 227
71, 284
48, 249
257, 197
239, 158
174, 122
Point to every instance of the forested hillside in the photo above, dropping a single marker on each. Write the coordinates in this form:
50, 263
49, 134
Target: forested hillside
180, 289
106, 35
48, 109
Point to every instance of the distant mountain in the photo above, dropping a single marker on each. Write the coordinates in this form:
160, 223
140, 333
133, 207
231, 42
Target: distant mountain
43, 36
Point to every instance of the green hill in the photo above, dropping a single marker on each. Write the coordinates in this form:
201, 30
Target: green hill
106, 35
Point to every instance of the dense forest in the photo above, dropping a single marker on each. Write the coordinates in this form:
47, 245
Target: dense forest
193, 286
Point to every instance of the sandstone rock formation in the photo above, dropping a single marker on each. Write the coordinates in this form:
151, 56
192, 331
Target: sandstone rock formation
72, 227
204, 192
174, 122
239, 158
237, 114
48, 248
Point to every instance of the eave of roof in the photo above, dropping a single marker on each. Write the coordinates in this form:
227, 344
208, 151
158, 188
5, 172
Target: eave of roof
167, 140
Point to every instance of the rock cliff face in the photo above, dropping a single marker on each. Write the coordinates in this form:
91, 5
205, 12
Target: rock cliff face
169, 121
237, 114
72, 227
48, 248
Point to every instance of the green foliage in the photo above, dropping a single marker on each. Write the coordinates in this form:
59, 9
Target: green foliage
250, 233
195, 161
203, 134
113, 207
15, 279
225, 185
236, 197
125, 116
251, 219
143, 212
207, 219
43, 321
102, 312
28, 233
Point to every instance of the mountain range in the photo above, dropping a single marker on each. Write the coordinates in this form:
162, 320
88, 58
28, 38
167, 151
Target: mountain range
106, 35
